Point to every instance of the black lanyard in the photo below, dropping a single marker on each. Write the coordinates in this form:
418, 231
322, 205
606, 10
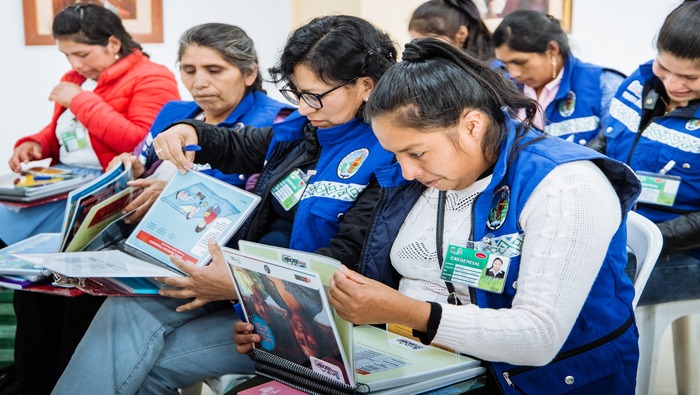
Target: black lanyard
439, 229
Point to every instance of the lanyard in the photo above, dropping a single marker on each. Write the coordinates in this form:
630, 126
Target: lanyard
439, 229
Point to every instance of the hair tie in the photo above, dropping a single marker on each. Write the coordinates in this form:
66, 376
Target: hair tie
413, 53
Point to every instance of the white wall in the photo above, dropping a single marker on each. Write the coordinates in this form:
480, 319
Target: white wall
610, 33
28, 73
604, 32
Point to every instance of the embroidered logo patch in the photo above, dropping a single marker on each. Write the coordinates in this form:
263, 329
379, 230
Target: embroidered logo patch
693, 124
351, 163
568, 105
499, 207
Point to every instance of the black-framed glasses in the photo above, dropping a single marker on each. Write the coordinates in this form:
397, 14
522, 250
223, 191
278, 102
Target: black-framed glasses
312, 99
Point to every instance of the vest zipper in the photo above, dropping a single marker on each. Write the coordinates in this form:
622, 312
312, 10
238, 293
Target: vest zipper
570, 353
472, 290
506, 377
363, 252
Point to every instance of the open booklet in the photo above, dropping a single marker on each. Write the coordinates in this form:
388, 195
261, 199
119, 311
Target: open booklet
192, 208
306, 347
90, 208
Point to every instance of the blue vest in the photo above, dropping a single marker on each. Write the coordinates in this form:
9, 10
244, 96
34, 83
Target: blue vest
601, 350
255, 109
674, 136
349, 154
575, 113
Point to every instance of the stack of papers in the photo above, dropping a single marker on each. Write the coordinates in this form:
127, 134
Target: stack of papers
39, 183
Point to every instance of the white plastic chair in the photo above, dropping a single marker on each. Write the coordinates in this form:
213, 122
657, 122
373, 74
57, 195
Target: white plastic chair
645, 241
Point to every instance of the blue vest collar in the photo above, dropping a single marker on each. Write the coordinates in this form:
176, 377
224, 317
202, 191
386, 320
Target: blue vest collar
337, 135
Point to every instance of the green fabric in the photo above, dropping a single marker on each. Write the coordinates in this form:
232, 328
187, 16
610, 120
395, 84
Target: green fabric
7, 328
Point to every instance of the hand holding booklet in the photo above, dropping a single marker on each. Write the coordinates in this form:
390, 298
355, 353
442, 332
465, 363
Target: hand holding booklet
304, 345
192, 208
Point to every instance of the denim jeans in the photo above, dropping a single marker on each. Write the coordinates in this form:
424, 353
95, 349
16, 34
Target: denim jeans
142, 345
45, 218
675, 277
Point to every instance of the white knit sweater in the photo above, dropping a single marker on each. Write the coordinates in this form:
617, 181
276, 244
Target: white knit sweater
568, 223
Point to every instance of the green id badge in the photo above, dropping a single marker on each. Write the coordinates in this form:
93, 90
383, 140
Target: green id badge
659, 189
75, 138
288, 192
478, 269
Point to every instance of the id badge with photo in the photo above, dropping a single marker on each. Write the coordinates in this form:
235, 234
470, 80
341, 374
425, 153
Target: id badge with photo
475, 268
658, 189
288, 192
75, 137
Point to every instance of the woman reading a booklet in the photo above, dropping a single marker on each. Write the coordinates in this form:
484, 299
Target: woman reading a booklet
471, 184
219, 67
318, 187
103, 106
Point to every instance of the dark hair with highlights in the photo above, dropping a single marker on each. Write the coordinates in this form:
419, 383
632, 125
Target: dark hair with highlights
531, 31
435, 83
230, 42
680, 32
444, 17
336, 48
92, 24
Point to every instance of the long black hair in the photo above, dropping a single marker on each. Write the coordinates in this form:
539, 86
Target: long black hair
444, 17
92, 24
336, 49
680, 33
435, 83
531, 31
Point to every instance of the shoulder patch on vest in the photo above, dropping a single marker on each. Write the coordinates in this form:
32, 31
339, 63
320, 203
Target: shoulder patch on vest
351, 163
499, 207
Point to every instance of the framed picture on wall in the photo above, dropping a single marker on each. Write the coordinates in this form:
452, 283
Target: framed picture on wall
143, 19
493, 11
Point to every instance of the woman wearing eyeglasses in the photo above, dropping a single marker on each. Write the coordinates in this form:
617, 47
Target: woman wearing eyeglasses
324, 156
103, 106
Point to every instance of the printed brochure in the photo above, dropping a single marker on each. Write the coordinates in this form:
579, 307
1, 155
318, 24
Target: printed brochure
282, 296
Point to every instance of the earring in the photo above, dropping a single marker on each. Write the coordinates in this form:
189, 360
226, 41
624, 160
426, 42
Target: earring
554, 67
365, 99
116, 57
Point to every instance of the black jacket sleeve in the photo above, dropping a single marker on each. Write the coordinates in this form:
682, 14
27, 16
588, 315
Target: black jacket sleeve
681, 233
346, 245
242, 151
599, 143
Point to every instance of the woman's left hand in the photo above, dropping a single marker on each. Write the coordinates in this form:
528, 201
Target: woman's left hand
151, 189
205, 284
64, 92
361, 300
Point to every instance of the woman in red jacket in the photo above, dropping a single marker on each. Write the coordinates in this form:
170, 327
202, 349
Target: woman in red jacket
104, 106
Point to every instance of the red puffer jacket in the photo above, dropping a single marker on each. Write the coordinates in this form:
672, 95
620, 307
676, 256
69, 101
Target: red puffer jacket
119, 112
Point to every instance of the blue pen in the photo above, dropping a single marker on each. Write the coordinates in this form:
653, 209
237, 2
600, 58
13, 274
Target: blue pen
239, 311
53, 177
192, 148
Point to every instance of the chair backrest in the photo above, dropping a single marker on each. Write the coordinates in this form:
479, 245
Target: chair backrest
645, 240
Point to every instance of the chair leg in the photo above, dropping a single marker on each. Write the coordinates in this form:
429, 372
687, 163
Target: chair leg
686, 346
650, 333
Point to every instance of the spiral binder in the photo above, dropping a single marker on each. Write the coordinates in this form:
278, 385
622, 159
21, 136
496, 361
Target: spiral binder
300, 377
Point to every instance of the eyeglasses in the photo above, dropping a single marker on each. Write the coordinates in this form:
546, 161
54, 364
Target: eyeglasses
312, 99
